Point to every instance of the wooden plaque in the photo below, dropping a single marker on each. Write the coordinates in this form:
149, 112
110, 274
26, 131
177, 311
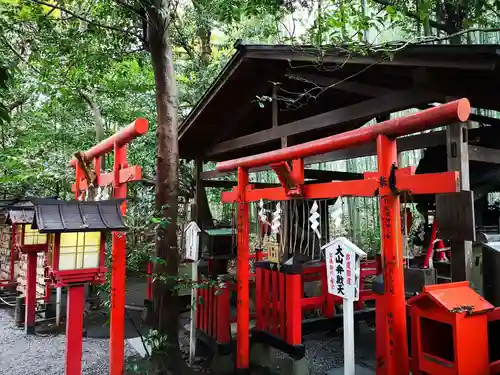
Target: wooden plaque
273, 250
455, 215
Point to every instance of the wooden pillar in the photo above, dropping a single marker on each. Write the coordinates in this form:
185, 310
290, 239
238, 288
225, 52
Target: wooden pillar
195, 208
463, 216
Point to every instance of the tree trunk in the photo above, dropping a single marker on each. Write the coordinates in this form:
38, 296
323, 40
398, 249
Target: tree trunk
166, 301
96, 113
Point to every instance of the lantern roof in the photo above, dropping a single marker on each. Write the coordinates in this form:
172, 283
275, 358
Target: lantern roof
20, 215
54, 216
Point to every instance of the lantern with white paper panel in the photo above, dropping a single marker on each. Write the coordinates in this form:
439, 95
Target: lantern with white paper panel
77, 237
26, 238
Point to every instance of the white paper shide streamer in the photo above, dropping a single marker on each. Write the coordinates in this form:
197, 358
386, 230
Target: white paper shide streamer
313, 219
276, 224
262, 213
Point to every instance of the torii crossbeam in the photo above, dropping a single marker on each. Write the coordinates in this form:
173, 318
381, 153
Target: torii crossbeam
387, 183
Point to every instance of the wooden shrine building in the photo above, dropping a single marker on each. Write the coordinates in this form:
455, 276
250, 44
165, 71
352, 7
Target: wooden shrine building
272, 96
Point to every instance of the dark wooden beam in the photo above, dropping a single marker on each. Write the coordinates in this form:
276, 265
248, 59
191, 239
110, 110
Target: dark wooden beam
327, 176
484, 119
437, 61
227, 184
463, 214
367, 109
347, 85
484, 154
313, 174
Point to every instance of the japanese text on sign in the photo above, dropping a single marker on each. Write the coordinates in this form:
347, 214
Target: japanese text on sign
343, 268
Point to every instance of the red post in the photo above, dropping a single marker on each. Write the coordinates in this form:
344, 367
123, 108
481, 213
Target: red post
392, 261
380, 336
223, 313
242, 265
293, 309
31, 293
74, 326
259, 303
117, 327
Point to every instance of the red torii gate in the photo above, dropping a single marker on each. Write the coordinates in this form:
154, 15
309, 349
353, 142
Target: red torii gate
121, 175
392, 345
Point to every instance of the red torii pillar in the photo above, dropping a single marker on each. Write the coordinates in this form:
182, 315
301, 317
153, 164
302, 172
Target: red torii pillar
392, 345
121, 175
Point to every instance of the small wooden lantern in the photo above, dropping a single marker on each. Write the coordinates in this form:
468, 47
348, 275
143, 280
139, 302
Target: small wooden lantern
449, 331
25, 238
77, 240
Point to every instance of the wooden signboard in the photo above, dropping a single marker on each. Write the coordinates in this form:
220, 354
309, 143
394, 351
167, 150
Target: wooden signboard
273, 250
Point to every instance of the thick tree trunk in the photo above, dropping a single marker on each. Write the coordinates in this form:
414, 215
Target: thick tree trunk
166, 301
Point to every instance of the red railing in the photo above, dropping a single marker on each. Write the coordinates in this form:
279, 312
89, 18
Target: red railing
214, 310
279, 293
214, 315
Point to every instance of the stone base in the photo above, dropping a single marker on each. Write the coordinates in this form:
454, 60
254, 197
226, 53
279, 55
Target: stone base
359, 370
261, 355
295, 367
223, 364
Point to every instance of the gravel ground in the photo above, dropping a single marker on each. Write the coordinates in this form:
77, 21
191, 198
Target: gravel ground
325, 351
21, 354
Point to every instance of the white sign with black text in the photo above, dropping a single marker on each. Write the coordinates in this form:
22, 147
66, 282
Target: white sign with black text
343, 269
192, 245
192, 241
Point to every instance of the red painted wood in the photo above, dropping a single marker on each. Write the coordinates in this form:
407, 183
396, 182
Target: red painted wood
211, 316
444, 114
282, 306
128, 174
275, 302
266, 299
396, 351
74, 327
31, 293
118, 254
121, 138
259, 303
223, 315
242, 262
381, 336
362, 188
293, 309
206, 313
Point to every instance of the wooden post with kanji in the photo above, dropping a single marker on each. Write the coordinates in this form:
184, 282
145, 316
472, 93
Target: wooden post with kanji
343, 265
122, 174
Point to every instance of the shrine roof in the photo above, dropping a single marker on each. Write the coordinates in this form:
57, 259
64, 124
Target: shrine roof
456, 297
234, 116
219, 231
54, 216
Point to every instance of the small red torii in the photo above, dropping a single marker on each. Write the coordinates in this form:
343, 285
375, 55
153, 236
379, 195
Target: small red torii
121, 175
386, 183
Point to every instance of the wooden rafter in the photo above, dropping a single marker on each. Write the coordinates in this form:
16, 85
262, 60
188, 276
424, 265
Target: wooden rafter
367, 109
